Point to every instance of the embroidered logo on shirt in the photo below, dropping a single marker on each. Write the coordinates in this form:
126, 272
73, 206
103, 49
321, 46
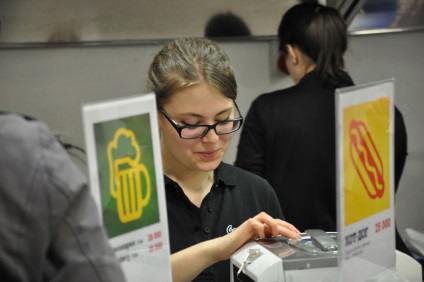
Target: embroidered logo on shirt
230, 228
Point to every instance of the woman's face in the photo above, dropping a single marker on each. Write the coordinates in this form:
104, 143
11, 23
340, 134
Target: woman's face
199, 104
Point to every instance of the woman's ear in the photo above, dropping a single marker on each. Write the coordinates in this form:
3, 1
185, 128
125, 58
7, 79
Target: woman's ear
292, 54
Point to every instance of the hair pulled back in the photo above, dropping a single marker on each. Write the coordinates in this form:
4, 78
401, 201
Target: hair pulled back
185, 62
320, 33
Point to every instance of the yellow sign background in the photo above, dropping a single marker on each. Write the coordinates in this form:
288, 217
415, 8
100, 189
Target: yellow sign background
357, 202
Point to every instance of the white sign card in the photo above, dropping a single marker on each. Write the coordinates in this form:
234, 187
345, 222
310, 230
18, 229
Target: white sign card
126, 178
365, 184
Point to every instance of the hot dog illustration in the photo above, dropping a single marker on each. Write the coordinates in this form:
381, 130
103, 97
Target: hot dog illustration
366, 159
128, 177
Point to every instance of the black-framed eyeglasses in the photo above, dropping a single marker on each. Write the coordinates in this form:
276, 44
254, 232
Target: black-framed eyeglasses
199, 130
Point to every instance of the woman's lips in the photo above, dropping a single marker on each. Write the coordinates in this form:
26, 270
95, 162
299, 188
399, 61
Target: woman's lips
209, 154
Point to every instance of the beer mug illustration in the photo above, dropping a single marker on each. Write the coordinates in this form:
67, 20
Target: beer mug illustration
127, 176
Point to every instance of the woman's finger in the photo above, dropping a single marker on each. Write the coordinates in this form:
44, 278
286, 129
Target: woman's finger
274, 227
287, 225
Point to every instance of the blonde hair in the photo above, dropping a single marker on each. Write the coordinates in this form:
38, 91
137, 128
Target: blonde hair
185, 62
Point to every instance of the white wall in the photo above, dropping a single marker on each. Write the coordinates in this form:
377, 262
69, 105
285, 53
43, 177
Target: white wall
400, 55
52, 83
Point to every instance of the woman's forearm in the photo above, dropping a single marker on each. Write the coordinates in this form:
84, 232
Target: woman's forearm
188, 263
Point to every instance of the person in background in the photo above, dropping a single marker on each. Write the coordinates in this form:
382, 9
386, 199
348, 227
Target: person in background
50, 228
289, 135
226, 25
213, 207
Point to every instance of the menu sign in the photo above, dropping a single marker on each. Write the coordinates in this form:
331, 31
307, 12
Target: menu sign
125, 170
365, 184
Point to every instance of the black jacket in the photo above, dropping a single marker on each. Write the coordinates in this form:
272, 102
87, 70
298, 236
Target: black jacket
289, 139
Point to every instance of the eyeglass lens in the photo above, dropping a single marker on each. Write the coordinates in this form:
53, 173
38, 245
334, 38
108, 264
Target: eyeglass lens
220, 128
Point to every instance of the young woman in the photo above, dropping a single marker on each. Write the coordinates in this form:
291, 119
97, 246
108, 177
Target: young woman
289, 135
213, 208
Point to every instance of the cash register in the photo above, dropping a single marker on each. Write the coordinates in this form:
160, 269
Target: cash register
313, 257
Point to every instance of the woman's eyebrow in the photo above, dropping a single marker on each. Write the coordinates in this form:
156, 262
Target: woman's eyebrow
228, 110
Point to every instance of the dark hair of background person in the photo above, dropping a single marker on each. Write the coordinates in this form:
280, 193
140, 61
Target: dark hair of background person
226, 24
321, 34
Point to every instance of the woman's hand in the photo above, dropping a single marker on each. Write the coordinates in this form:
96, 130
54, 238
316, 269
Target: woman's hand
188, 263
262, 225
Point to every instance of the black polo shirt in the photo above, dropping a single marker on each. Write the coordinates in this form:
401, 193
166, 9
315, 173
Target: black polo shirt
235, 196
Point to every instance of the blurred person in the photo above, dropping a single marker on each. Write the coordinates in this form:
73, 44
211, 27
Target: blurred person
213, 207
226, 25
50, 228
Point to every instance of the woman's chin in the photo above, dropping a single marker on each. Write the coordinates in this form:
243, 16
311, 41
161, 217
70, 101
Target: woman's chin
210, 165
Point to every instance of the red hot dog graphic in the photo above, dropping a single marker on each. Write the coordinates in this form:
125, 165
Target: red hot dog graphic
366, 159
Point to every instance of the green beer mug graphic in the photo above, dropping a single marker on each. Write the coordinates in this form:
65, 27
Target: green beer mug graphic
127, 176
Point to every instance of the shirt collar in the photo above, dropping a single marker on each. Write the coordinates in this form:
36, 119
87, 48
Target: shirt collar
312, 75
308, 76
225, 176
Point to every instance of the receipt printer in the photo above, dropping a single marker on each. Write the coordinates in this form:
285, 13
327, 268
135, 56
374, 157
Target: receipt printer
311, 258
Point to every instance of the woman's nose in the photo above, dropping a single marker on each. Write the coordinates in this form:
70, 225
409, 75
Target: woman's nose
211, 136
